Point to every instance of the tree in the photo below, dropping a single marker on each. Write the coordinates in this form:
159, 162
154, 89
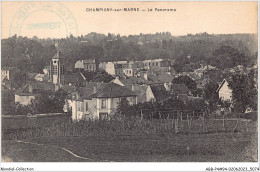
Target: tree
244, 92
190, 83
211, 95
173, 103
228, 57
48, 102
123, 108
196, 105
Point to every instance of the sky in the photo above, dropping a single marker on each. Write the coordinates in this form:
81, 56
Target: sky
60, 19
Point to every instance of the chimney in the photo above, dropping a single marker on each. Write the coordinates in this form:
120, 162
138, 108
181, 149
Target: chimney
133, 87
95, 89
146, 76
30, 88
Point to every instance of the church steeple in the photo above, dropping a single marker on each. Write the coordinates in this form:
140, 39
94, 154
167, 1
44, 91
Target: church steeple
57, 66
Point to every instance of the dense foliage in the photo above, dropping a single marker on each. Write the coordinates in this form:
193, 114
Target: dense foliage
127, 110
186, 80
188, 51
244, 92
211, 95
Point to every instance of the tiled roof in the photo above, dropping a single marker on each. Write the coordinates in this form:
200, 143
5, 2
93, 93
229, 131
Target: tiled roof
73, 78
87, 91
222, 83
5, 80
161, 78
134, 80
31, 75
112, 90
58, 55
140, 91
159, 92
37, 87
69, 88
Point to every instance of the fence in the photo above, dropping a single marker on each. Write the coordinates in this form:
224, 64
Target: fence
165, 122
186, 121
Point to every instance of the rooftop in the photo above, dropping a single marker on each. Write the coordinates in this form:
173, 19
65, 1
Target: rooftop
134, 80
36, 87
58, 55
74, 78
112, 90
159, 92
161, 78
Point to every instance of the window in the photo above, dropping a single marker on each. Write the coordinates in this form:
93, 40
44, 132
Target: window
81, 106
54, 61
103, 103
78, 106
86, 106
55, 70
129, 71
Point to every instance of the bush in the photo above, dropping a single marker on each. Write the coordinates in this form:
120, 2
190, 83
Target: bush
250, 115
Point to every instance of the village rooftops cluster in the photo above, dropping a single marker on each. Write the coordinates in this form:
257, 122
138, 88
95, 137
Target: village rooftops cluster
135, 81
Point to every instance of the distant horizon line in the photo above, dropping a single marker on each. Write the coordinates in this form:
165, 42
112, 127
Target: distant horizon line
198, 33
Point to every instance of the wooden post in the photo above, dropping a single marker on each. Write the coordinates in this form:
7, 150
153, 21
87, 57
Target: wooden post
223, 122
176, 126
141, 114
246, 127
188, 121
203, 123
165, 122
172, 120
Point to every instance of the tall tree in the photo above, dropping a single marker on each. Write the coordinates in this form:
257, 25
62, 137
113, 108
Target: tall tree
210, 95
190, 83
244, 92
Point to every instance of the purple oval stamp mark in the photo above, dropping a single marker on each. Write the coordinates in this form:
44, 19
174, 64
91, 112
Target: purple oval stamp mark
43, 19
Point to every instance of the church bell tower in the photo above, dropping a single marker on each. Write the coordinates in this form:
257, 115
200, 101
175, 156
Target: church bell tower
57, 67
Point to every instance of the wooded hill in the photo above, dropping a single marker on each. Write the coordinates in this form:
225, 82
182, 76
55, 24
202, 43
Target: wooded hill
189, 52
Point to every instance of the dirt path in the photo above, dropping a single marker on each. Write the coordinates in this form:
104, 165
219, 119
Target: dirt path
23, 151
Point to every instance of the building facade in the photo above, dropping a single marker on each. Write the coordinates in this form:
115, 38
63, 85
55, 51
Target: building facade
224, 91
102, 103
90, 65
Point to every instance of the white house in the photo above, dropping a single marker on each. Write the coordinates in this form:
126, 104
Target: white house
102, 103
224, 91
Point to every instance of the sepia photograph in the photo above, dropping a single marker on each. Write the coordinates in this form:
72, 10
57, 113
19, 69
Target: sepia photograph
121, 81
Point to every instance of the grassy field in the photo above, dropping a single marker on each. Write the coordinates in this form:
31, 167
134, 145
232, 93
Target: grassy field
129, 140
220, 147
